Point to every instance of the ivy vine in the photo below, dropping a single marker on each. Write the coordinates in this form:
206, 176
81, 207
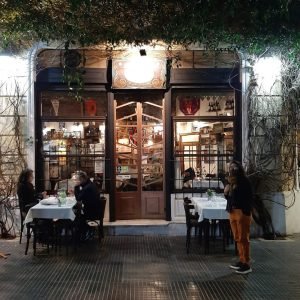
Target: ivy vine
253, 25
73, 71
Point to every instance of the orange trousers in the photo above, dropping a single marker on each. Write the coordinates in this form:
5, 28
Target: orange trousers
240, 226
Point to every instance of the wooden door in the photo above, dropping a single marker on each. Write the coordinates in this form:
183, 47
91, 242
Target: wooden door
139, 160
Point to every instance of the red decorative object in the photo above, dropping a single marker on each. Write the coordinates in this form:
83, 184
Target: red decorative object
90, 107
189, 105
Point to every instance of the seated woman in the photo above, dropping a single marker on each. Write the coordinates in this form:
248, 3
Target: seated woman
26, 192
27, 195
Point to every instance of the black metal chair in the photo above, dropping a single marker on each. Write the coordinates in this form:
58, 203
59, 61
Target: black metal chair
191, 222
43, 233
23, 212
97, 221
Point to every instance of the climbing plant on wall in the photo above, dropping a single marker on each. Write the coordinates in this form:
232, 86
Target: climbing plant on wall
245, 24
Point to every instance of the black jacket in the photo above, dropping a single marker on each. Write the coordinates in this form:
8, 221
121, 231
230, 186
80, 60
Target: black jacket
26, 195
88, 194
241, 197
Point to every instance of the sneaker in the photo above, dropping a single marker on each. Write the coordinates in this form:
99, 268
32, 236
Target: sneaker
244, 269
236, 266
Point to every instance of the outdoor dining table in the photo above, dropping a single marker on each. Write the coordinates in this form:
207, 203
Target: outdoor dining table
211, 211
50, 209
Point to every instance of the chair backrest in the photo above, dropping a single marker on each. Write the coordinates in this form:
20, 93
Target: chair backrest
188, 214
187, 200
102, 207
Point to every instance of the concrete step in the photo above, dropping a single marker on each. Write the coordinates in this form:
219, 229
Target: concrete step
144, 227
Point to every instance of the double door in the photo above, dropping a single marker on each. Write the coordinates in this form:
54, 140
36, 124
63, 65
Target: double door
139, 159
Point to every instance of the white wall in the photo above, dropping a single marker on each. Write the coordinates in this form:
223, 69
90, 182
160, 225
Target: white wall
292, 214
285, 211
14, 85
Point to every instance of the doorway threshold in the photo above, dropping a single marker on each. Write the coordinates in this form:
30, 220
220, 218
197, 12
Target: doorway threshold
138, 222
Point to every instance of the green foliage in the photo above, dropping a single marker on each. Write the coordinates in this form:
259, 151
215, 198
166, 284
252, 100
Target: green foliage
73, 71
245, 24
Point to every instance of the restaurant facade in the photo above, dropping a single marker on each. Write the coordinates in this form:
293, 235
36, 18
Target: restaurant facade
146, 131
149, 126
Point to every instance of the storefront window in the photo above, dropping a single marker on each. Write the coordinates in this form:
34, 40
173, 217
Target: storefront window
203, 140
73, 139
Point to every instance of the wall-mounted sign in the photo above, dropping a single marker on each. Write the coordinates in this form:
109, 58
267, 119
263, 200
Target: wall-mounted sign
139, 72
90, 107
189, 105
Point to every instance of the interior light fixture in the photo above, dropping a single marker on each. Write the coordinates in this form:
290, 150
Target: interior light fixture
143, 52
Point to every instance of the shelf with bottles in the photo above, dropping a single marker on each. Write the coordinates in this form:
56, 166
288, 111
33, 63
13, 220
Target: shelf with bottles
229, 104
67, 147
219, 105
74, 130
214, 106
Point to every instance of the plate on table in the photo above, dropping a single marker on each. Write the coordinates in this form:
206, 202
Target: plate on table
49, 201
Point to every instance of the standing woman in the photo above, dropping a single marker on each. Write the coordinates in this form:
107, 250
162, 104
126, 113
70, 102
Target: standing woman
239, 195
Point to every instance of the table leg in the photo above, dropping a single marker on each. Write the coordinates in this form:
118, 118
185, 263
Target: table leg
206, 236
28, 236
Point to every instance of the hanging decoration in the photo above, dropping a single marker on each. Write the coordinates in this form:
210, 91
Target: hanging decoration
189, 105
55, 104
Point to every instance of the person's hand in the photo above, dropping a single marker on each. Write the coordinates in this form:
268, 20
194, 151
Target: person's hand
44, 194
226, 189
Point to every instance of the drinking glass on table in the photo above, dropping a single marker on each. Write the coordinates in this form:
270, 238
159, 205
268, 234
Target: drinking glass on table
62, 196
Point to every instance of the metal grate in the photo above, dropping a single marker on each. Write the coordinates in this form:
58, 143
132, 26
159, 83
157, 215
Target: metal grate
149, 267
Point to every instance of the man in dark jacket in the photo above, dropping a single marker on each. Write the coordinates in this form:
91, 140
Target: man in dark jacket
88, 198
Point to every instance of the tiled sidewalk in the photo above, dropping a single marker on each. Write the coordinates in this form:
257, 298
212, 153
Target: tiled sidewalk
150, 267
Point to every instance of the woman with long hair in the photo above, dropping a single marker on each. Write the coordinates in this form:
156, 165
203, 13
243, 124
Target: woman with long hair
25, 189
239, 195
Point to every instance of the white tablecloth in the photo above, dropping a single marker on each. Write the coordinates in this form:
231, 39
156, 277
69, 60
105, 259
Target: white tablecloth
213, 210
65, 211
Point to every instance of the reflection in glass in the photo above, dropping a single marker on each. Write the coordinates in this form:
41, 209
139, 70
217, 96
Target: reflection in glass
152, 148
126, 147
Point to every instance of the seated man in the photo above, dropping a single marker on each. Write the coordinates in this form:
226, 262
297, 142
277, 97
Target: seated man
188, 176
88, 198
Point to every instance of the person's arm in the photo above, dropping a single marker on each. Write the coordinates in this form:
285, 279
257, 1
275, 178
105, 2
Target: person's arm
82, 194
226, 191
77, 192
244, 197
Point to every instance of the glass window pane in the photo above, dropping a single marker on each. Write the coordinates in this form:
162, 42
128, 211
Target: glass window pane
202, 152
71, 146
